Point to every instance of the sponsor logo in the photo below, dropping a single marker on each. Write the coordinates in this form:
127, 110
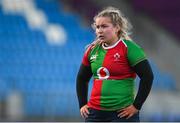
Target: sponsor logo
103, 73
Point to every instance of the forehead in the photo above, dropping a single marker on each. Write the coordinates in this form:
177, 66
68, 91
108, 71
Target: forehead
102, 20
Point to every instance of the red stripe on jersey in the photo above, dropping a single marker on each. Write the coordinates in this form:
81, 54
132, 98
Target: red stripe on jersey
117, 63
94, 101
85, 60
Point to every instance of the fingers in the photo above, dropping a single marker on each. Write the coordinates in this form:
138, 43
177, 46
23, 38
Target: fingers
127, 112
84, 111
130, 115
84, 114
123, 114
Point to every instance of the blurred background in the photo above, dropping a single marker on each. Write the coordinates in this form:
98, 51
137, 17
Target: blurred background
41, 47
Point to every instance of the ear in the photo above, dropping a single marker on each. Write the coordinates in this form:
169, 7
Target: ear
117, 28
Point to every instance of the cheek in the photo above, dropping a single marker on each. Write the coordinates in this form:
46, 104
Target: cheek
110, 33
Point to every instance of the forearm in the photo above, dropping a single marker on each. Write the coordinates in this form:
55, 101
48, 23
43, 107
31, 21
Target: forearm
82, 92
145, 73
143, 92
82, 80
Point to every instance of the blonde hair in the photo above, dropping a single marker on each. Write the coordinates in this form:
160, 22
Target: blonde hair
117, 19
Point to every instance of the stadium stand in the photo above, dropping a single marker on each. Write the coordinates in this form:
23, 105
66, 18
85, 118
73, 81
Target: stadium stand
165, 12
43, 72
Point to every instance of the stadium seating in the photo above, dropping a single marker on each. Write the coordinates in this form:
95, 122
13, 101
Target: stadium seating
165, 12
44, 74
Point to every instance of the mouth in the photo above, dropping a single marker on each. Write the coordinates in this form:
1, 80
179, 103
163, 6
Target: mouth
101, 37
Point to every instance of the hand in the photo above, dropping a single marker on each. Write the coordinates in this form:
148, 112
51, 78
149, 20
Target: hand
84, 111
127, 112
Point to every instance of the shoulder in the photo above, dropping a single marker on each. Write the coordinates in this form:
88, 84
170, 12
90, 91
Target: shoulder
129, 43
88, 48
135, 53
91, 47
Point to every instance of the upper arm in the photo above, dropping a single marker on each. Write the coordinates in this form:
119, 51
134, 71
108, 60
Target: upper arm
84, 73
143, 69
85, 60
135, 53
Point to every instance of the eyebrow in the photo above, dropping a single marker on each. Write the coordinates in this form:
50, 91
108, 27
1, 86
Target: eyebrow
100, 24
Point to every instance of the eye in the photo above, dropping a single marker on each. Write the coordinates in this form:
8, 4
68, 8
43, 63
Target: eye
101, 26
104, 26
97, 26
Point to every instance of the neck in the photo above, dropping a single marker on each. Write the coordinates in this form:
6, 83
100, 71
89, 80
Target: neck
107, 44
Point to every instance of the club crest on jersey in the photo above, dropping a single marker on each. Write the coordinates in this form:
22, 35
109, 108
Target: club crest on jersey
103, 73
116, 57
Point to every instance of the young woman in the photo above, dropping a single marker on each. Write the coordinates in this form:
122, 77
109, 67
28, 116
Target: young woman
113, 60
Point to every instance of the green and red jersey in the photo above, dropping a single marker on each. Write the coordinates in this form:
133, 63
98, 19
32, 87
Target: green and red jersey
113, 85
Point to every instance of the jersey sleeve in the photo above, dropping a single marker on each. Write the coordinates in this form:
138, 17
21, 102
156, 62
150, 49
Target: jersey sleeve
135, 53
85, 60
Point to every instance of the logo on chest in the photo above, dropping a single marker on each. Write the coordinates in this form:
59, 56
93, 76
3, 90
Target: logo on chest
103, 73
93, 57
116, 57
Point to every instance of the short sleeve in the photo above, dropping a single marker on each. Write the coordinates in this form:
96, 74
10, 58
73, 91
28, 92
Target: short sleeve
135, 53
85, 60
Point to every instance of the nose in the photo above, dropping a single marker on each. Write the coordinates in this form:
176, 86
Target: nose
99, 30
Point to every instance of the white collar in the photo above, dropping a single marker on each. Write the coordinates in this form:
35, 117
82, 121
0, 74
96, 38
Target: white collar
109, 47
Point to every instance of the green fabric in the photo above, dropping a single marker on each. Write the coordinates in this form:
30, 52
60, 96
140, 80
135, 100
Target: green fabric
95, 64
117, 94
135, 53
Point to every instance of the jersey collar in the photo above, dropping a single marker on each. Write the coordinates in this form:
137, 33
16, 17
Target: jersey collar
109, 47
